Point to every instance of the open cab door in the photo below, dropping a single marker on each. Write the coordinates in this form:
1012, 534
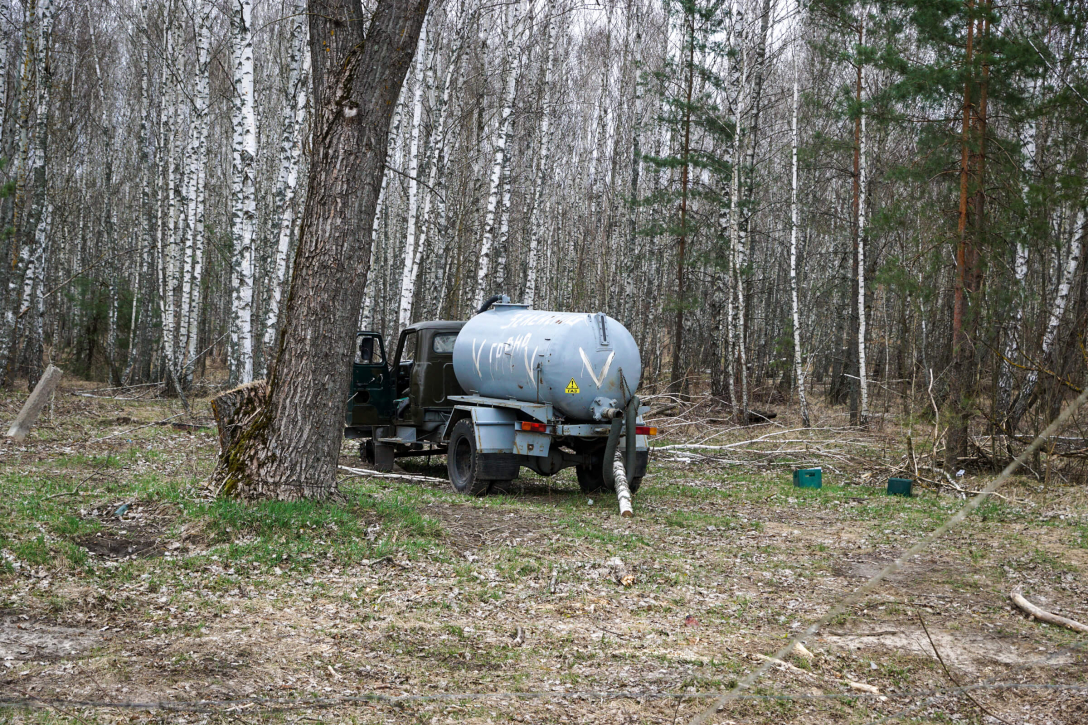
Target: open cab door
372, 385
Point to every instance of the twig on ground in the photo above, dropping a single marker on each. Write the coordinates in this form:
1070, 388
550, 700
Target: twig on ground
955, 682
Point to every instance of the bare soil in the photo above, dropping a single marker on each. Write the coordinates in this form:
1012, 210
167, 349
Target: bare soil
121, 582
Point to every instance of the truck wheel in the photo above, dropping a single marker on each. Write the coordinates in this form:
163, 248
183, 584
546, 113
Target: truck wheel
591, 478
366, 450
462, 461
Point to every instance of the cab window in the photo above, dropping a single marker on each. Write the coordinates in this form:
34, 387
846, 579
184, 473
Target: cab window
443, 344
410, 343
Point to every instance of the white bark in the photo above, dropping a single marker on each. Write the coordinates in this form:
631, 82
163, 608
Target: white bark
1013, 328
167, 266
498, 163
798, 366
538, 219
623, 491
5, 49
411, 265
738, 79
863, 184
244, 211
1057, 310
367, 315
287, 184
194, 198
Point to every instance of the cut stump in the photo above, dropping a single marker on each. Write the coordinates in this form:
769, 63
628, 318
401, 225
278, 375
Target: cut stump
235, 412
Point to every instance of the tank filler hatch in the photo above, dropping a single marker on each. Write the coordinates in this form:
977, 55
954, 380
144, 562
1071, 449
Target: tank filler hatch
601, 325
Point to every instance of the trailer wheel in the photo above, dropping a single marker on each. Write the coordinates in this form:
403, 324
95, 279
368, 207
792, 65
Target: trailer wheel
462, 461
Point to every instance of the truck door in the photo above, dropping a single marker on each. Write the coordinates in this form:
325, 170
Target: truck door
371, 383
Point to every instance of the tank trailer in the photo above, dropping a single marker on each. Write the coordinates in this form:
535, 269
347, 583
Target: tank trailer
510, 387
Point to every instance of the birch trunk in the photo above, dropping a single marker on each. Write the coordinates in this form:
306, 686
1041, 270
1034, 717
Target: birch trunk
408, 273
137, 335
798, 366
196, 157
498, 163
290, 155
21, 243
1013, 327
368, 318
863, 184
1057, 311
244, 206
167, 262
737, 76
37, 223
537, 221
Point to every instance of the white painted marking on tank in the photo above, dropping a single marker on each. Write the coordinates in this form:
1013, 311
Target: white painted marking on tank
476, 356
534, 318
589, 368
607, 364
528, 366
492, 358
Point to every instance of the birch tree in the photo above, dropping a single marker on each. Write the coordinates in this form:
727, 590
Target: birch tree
860, 202
244, 202
287, 182
798, 364
411, 266
493, 219
1057, 311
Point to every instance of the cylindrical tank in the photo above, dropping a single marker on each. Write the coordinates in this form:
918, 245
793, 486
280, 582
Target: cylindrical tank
580, 363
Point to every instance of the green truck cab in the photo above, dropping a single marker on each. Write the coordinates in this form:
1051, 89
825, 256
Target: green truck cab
400, 408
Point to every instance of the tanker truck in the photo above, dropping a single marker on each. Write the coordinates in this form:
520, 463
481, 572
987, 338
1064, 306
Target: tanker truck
510, 387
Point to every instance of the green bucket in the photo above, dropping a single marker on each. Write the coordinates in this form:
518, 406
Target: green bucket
899, 486
808, 478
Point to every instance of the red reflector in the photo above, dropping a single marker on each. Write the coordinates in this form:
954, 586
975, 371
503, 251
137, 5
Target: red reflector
642, 430
534, 427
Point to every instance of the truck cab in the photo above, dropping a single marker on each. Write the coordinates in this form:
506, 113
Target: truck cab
403, 402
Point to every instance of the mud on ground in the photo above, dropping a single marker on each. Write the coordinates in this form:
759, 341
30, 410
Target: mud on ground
121, 582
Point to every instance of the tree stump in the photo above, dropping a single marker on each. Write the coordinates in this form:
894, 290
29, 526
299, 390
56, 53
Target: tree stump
237, 413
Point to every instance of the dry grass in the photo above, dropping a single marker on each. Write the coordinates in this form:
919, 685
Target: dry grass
405, 588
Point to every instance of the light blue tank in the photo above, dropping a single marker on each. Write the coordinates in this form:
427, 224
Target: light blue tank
580, 363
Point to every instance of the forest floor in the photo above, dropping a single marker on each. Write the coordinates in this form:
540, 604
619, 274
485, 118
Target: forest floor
121, 581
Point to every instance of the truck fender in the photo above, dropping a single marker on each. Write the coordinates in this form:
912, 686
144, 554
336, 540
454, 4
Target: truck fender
493, 427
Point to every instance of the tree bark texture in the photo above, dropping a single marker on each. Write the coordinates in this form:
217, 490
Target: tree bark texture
289, 450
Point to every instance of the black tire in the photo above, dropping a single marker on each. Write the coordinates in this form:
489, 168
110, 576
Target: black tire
462, 461
366, 450
591, 478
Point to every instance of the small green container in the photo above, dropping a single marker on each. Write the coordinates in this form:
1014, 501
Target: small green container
808, 478
899, 486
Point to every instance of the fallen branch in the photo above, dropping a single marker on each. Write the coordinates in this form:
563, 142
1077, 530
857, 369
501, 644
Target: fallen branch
1045, 616
862, 687
140, 427
402, 476
785, 665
